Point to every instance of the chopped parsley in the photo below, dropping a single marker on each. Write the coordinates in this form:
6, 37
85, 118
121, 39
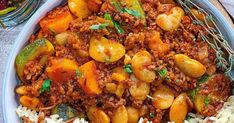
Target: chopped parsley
207, 101
99, 26
79, 73
45, 86
203, 79
132, 12
128, 68
152, 115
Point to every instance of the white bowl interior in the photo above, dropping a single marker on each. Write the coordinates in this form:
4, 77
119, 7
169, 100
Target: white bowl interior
9, 102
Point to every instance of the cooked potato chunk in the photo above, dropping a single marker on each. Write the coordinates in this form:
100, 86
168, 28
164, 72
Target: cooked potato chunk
120, 115
139, 90
97, 115
61, 70
172, 20
56, 22
87, 78
189, 66
104, 50
79, 8
133, 115
30, 102
163, 97
139, 62
179, 109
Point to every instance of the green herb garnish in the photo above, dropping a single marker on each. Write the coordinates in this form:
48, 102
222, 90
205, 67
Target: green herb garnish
45, 86
163, 72
99, 26
132, 12
107, 16
207, 101
187, 118
203, 79
128, 68
118, 28
193, 93
117, 5
152, 115
79, 73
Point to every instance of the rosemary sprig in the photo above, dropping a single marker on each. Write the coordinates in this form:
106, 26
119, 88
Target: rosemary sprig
214, 38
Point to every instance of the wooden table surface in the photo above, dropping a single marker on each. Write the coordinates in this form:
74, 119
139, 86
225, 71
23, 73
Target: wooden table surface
7, 38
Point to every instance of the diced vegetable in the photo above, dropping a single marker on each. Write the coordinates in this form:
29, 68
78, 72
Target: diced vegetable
133, 115
139, 90
179, 109
104, 50
30, 102
119, 74
61, 39
120, 115
156, 44
172, 20
89, 80
57, 23
134, 5
189, 66
97, 115
163, 97
79, 8
40, 48
61, 70
64, 111
139, 62
94, 5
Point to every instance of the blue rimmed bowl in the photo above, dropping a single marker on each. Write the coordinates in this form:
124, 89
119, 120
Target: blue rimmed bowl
8, 97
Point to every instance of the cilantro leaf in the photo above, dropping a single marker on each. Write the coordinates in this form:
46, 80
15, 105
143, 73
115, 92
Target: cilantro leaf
45, 86
119, 28
117, 5
99, 26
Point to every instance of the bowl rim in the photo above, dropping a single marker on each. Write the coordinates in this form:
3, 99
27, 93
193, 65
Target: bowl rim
41, 12
29, 26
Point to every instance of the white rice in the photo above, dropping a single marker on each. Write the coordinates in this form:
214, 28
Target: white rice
25, 112
54, 119
33, 116
224, 115
142, 120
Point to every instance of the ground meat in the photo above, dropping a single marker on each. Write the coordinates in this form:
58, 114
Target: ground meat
32, 70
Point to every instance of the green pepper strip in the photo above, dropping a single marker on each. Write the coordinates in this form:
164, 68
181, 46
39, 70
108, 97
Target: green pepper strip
7, 10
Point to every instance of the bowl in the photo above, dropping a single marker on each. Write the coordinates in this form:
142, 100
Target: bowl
9, 98
21, 14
